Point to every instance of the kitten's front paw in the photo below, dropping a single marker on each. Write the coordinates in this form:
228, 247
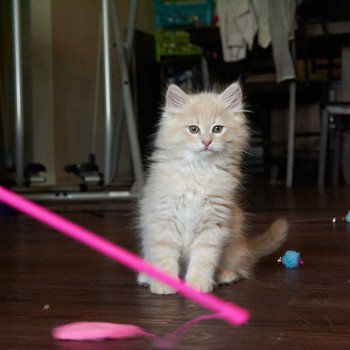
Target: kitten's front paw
143, 279
160, 288
227, 276
204, 286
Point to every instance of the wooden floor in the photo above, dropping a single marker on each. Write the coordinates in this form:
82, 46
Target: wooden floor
47, 280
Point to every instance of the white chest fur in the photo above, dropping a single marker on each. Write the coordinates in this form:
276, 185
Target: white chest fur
189, 197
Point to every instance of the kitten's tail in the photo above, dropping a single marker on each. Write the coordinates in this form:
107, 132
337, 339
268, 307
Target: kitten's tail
270, 240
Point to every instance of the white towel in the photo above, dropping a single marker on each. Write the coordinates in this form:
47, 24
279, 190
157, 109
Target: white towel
282, 26
261, 9
274, 20
276, 25
237, 28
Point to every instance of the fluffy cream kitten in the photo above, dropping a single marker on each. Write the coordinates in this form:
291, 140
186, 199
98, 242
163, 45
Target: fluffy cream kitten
189, 214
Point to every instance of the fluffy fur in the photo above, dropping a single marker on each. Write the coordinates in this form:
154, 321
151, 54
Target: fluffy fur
189, 216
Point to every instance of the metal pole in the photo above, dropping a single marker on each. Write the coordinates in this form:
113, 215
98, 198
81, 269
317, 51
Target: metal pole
130, 30
291, 133
323, 148
108, 91
127, 99
291, 121
17, 59
120, 115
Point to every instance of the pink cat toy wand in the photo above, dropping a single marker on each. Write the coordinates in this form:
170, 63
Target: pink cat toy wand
231, 313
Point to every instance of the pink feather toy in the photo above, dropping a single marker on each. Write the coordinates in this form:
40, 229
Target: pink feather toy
228, 312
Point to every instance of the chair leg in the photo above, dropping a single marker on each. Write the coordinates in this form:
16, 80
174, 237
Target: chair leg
291, 133
323, 149
266, 136
205, 73
336, 159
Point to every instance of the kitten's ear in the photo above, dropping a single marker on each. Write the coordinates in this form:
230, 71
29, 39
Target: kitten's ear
232, 97
175, 99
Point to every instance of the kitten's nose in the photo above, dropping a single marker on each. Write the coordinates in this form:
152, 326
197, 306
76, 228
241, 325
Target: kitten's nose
206, 143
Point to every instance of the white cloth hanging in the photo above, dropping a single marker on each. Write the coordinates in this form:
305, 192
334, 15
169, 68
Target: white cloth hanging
272, 20
238, 28
278, 28
261, 9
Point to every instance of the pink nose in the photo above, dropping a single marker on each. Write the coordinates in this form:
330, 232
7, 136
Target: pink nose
206, 143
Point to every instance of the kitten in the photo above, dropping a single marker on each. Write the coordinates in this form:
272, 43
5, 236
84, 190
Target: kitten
189, 213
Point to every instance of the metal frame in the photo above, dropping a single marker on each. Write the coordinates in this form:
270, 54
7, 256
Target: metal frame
291, 121
18, 75
79, 196
291, 133
108, 90
126, 100
120, 115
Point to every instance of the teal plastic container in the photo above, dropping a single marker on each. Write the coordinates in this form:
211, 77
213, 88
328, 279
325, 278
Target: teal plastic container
175, 13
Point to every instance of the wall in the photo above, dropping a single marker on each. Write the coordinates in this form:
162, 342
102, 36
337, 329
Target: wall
40, 69
75, 29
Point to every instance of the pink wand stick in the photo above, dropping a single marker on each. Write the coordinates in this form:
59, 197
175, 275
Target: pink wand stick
229, 312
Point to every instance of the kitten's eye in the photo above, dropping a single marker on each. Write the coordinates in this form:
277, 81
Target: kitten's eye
194, 129
217, 129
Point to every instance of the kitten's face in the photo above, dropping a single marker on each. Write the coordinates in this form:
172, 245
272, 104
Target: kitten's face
202, 125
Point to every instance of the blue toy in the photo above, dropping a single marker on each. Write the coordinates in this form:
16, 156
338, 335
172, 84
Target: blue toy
347, 217
291, 259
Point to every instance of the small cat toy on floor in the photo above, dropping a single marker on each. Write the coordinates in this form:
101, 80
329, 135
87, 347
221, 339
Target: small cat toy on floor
347, 217
291, 259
